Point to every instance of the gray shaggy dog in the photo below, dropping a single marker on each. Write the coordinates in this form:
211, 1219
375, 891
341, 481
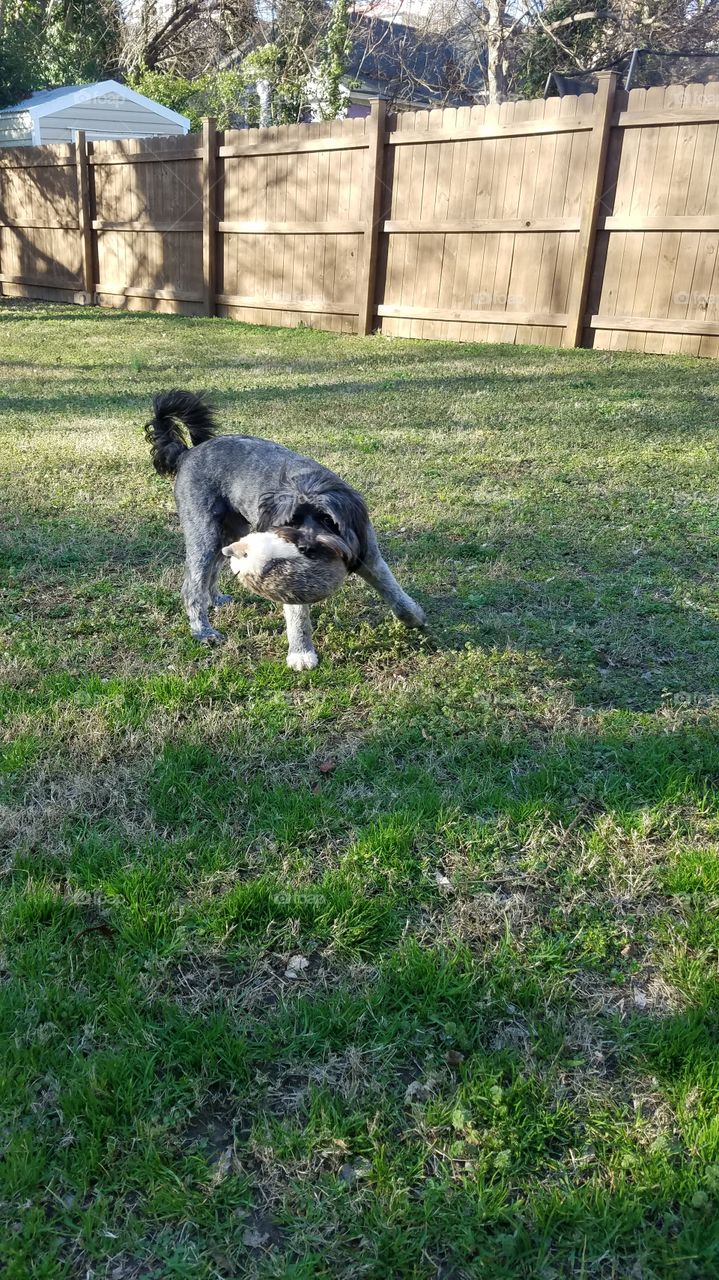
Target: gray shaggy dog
228, 487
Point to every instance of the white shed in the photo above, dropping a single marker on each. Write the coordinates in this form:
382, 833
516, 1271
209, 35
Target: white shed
104, 110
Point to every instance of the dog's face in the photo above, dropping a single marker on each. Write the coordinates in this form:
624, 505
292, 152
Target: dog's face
293, 566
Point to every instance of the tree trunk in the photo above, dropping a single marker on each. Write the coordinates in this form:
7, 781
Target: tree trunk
496, 69
264, 93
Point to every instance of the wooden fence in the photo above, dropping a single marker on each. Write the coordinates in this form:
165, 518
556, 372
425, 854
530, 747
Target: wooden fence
588, 219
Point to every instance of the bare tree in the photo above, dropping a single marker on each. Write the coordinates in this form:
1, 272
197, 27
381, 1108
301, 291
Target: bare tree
457, 51
576, 36
495, 29
188, 37
447, 50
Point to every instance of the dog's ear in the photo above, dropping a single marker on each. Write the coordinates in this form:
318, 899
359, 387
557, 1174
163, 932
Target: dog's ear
232, 550
344, 509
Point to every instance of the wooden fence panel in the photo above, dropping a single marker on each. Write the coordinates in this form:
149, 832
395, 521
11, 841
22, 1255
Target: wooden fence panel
655, 285
40, 243
147, 199
290, 223
483, 216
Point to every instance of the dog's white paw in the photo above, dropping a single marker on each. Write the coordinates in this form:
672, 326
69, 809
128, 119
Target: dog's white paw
302, 660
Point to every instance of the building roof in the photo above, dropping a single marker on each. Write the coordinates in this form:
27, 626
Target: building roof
48, 101
40, 98
394, 60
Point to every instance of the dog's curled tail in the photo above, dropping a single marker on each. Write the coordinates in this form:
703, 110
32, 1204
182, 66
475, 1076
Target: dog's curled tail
171, 411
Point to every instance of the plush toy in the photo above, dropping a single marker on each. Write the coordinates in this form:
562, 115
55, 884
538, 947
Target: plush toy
289, 566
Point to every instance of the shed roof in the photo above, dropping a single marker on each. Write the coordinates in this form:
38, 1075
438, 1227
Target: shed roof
48, 101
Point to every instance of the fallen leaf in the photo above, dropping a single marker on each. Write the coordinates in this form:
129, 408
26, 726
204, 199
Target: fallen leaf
255, 1239
296, 966
416, 1092
103, 928
328, 766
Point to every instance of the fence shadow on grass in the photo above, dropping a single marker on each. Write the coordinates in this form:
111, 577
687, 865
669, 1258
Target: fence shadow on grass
616, 629
665, 418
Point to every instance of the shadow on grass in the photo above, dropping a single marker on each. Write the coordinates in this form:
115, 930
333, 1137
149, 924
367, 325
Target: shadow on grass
618, 626
76, 546
459, 778
243, 405
483, 883
387, 368
551, 1124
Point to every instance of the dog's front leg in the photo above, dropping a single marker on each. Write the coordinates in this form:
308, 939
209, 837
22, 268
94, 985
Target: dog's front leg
301, 653
378, 574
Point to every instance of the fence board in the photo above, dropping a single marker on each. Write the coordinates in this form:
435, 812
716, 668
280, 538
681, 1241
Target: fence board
289, 199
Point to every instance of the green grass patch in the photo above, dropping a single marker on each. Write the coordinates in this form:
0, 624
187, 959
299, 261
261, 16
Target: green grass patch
405, 966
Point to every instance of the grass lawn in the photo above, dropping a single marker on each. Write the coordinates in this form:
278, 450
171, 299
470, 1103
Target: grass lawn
495, 845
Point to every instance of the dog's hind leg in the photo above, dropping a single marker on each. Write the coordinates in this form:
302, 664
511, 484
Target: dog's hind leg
301, 653
378, 574
204, 548
234, 527
217, 598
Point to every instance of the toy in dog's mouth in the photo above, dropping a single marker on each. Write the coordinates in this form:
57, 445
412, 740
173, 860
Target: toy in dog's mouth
286, 565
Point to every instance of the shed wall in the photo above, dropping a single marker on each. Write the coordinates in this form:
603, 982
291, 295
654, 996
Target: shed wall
108, 117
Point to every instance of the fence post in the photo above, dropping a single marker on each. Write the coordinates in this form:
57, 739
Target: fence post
84, 217
589, 208
209, 220
372, 199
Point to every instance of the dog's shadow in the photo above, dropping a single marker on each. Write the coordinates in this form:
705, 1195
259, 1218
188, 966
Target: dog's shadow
615, 628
